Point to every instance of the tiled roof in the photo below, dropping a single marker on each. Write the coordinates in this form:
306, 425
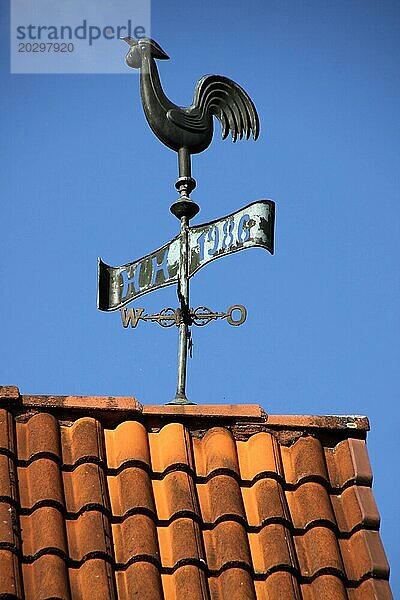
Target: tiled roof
101, 499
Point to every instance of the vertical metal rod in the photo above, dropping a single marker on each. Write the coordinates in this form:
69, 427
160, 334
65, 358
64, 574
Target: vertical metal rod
185, 169
180, 397
184, 209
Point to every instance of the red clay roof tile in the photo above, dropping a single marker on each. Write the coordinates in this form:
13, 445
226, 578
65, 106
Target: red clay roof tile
102, 500
174, 494
231, 583
40, 482
180, 541
9, 527
265, 502
93, 580
186, 582
227, 543
355, 506
46, 577
82, 442
7, 439
303, 461
8, 479
328, 587
141, 580
371, 589
317, 551
309, 503
44, 529
89, 535
136, 536
259, 455
85, 487
131, 490
271, 549
215, 451
170, 447
10, 578
348, 462
363, 555
127, 443
220, 497
279, 586
40, 436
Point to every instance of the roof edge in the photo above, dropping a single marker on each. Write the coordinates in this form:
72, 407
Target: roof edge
238, 412
127, 406
10, 395
327, 422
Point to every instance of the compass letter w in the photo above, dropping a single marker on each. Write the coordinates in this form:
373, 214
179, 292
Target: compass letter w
131, 316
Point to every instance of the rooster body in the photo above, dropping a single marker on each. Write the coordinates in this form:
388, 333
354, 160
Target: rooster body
190, 127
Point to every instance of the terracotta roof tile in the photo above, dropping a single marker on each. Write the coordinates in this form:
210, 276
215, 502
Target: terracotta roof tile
265, 502
85, 487
7, 438
279, 586
136, 537
127, 443
94, 580
318, 550
131, 490
233, 582
355, 507
40, 436
326, 587
259, 456
310, 504
186, 582
141, 580
170, 448
9, 527
216, 451
40, 482
100, 499
348, 463
174, 494
46, 577
82, 442
304, 461
371, 589
8, 479
10, 577
43, 530
219, 498
180, 541
271, 549
363, 555
89, 535
227, 543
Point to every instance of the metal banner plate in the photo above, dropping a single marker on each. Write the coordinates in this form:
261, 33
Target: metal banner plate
248, 227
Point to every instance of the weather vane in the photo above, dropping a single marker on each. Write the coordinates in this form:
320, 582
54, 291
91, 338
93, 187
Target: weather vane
187, 131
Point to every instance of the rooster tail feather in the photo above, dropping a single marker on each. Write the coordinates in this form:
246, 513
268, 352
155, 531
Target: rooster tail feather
227, 101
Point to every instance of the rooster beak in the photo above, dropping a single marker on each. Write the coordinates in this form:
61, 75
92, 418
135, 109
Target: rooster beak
130, 41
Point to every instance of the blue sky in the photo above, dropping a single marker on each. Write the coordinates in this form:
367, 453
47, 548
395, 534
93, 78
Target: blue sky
82, 176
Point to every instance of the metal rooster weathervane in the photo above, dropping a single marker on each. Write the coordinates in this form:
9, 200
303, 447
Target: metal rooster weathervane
187, 131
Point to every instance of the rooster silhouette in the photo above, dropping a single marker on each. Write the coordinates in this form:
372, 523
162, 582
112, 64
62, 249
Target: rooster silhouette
189, 130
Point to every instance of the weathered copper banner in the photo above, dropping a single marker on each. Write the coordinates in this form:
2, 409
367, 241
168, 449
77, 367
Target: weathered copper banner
250, 226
